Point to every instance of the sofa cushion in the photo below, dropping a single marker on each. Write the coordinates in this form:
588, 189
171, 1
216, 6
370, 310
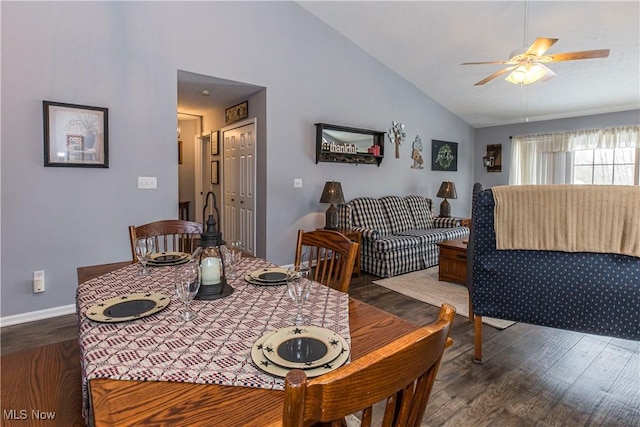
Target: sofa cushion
433, 235
367, 213
422, 210
396, 242
397, 213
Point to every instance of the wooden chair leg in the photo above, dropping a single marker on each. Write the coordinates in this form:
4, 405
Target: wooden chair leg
477, 340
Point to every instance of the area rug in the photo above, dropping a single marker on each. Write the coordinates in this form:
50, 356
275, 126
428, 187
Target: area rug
424, 286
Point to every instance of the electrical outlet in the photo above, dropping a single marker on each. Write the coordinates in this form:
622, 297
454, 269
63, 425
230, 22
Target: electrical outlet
297, 183
147, 183
38, 281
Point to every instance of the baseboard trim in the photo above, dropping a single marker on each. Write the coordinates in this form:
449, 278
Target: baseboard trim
37, 315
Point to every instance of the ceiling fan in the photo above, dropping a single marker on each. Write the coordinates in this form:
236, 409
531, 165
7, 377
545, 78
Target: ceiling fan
527, 66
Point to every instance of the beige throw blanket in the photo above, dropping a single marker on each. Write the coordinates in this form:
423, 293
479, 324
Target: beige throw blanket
568, 218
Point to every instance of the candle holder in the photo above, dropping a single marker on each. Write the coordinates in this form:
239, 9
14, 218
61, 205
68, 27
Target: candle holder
209, 258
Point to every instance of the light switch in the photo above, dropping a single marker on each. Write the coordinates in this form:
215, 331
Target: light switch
147, 183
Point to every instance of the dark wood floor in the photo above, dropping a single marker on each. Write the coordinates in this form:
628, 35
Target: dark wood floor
531, 376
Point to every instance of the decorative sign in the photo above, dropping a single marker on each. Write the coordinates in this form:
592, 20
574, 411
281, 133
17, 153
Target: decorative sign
237, 112
444, 155
332, 147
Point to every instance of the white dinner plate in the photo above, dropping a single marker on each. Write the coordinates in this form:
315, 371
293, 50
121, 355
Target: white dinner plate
258, 357
303, 347
128, 307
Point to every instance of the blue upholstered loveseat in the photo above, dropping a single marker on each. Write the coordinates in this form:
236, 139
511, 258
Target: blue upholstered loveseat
596, 293
399, 234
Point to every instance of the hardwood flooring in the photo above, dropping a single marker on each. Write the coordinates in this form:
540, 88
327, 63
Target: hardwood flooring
531, 376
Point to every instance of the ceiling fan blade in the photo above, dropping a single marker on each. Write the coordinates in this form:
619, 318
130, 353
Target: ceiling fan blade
494, 75
487, 62
571, 56
540, 46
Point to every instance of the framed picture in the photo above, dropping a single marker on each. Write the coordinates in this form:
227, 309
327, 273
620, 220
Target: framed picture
494, 152
444, 155
75, 135
214, 172
179, 152
237, 112
215, 146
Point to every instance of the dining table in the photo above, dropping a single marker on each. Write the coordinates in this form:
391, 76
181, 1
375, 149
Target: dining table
120, 390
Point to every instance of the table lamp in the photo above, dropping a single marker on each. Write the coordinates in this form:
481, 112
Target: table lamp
208, 257
332, 194
447, 191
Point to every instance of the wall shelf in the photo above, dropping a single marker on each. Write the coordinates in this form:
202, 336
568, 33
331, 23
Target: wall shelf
342, 144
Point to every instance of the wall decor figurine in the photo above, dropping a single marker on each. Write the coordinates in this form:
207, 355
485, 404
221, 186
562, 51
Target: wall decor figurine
397, 135
416, 153
444, 156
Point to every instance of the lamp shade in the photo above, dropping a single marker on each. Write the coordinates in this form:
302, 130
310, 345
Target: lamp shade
447, 190
332, 193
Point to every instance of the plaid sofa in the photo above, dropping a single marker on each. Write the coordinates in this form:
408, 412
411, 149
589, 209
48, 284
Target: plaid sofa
399, 234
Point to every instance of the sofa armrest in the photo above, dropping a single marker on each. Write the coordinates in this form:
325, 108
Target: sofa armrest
449, 222
367, 233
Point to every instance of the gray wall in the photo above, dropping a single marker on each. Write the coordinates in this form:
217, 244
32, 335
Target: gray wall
125, 56
501, 134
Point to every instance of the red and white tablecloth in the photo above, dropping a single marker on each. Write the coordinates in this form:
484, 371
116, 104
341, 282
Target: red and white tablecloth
215, 348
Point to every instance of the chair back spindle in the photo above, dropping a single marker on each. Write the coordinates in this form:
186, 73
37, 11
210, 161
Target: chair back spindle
330, 254
169, 235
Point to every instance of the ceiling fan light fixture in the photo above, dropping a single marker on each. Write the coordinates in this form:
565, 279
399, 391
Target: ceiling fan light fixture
527, 74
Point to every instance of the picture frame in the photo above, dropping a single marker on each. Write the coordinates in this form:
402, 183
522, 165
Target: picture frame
215, 166
215, 145
444, 156
237, 112
75, 135
494, 151
179, 152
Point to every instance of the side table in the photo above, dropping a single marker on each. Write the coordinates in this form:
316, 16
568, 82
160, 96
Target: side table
453, 261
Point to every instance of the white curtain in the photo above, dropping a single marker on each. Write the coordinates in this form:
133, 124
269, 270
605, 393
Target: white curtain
545, 159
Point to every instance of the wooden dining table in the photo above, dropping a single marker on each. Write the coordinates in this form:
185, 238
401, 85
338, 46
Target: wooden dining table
158, 403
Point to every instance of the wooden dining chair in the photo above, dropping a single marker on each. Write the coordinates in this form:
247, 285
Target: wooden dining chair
170, 235
402, 372
330, 254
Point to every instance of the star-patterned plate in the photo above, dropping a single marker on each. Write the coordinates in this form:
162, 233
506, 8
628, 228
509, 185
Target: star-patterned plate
303, 347
261, 361
128, 307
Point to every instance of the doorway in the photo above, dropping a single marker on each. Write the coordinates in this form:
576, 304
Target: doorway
239, 183
207, 98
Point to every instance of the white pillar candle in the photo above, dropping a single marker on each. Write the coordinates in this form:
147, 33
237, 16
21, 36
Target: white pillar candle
210, 271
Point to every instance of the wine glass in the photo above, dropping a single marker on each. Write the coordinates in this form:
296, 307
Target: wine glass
299, 287
187, 285
144, 247
233, 256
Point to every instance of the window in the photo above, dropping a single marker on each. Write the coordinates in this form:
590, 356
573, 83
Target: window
606, 166
609, 156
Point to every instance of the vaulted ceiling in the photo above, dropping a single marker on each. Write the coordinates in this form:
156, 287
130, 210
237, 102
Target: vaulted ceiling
426, 41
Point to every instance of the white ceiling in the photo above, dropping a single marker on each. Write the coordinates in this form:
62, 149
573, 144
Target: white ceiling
426, 41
